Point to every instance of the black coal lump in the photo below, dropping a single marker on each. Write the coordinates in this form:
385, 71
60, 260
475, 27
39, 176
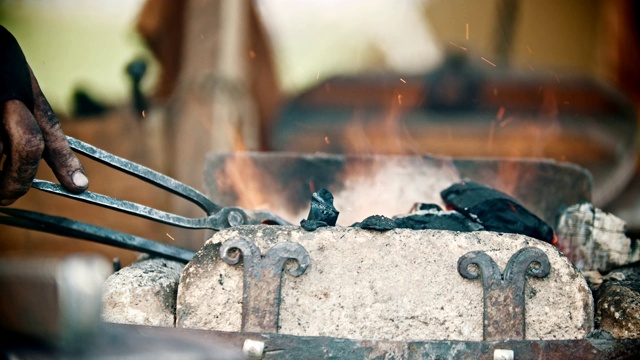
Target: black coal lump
424, 207
495, 211
322, 212
312, 225
437, 220
376, 222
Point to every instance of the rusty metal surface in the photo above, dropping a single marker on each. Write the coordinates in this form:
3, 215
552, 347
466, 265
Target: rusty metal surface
145, 342
504, 305
290, 347
262, 279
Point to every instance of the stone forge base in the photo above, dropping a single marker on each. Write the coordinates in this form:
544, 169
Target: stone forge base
395, 285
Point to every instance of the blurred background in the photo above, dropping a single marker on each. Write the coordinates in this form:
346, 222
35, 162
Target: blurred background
162, 83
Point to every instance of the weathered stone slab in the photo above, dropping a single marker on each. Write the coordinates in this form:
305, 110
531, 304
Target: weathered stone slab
395, 285
143, 293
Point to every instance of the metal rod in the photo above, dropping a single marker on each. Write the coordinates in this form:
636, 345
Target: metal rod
67, 227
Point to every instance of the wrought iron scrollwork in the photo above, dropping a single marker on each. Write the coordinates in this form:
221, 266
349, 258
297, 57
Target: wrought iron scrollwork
504, 305
262, 279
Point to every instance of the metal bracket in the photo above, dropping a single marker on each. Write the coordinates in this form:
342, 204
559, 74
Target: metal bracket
504, 293
262, 279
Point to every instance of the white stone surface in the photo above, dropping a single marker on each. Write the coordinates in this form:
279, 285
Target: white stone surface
395, 285
143, 293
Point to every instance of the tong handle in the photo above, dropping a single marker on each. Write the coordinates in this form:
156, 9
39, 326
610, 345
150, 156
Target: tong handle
145, 174
125, 206
65, 227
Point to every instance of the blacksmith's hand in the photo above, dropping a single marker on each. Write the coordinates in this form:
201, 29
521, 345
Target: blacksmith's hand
29, 130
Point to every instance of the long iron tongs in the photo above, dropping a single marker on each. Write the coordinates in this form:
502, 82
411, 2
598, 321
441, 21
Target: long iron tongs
218, 217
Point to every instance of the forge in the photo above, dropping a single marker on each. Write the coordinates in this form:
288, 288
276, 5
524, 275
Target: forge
357, 293
385, 185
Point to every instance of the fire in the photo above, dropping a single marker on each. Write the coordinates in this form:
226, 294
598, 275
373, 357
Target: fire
240, 176
385, 135
243, 178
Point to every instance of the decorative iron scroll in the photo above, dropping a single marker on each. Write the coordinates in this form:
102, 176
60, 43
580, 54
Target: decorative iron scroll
504, 309
262, 279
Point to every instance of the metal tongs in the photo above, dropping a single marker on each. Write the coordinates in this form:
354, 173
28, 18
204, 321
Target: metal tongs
218, 217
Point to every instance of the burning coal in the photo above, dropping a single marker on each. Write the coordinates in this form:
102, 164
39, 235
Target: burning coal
471, 207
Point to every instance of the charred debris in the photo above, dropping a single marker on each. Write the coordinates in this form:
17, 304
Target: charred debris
470, 207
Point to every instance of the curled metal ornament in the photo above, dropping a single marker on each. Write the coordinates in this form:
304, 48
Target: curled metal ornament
504, 307
262, 279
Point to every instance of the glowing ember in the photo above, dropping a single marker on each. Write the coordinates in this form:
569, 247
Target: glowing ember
252, 54
399, 99
467, 31
170, 237
144, 114
401, 79
326, 140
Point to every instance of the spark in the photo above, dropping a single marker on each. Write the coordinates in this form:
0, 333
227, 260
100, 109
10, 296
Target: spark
252, 54
467, 31
487, 61
327, 88
318, 75
500, 113
144, 114
401, 79
399, 99
326, 140
557, 78
530, 51
170, 237
458, 46
492, 129
530, 67
506, 121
